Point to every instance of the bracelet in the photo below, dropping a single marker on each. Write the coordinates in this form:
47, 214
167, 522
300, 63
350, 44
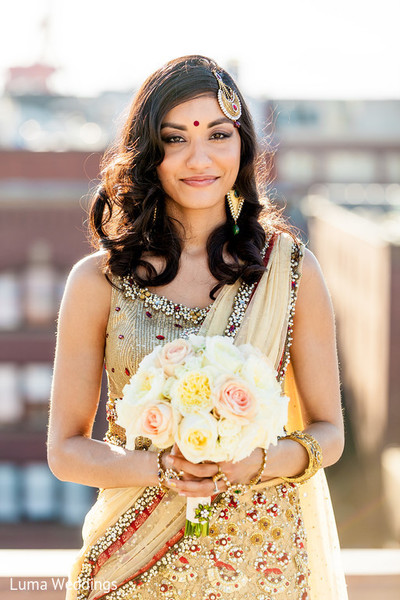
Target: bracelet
165, 474
241, 488
257, 477
221, 475
161, 472
314, 455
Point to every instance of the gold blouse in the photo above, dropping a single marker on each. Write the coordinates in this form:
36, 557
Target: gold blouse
138, 321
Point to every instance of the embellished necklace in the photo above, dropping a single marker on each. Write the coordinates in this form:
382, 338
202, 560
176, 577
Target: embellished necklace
150, 300
195, 316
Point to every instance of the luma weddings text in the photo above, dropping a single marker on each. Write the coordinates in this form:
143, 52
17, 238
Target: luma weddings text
56, 583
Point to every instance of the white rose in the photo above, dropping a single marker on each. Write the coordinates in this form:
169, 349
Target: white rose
128, 418
152, 360
198, 343
274, 415
258, 371
222, 354
229, 438
192, 363
166, 390
251, 437
197, 437
145, 386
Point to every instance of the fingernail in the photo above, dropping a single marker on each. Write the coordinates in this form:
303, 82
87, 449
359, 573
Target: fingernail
181, 494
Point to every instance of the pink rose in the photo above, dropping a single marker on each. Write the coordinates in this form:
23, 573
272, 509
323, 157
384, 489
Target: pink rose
174, 354
236, 402
156, 423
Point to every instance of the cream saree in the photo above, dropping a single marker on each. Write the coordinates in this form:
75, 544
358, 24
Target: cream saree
267, 324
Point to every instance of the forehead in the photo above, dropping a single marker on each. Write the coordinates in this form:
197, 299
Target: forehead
201, 107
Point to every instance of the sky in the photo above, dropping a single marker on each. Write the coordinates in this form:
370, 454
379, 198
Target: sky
345, 49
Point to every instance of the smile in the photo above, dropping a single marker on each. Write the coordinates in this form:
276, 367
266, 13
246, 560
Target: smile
200, 181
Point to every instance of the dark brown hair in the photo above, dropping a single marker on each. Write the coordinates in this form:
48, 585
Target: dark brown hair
121, 215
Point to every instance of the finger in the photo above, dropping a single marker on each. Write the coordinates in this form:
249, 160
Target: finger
203, 487
176, 451
201, 470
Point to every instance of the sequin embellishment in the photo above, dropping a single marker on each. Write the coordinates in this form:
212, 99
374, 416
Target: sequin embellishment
194, 315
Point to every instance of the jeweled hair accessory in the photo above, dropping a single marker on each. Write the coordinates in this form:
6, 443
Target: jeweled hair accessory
228, 100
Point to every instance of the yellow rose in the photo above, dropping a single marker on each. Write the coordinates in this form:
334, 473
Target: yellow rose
197, 437
193, 391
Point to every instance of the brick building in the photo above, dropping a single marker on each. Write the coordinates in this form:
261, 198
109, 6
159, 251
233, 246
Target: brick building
43, 203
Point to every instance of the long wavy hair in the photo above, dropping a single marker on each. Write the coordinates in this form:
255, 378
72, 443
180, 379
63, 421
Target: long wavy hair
123, 207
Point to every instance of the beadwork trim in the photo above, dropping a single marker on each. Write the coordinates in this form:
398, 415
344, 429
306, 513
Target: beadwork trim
150, 300
242, 300
115, 536
296, 255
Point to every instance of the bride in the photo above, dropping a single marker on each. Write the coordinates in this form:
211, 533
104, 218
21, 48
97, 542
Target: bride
186, 242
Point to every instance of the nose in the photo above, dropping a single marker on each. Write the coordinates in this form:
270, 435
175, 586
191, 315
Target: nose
198, 155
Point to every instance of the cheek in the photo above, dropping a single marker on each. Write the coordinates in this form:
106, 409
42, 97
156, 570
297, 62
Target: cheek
167, 169
233, 155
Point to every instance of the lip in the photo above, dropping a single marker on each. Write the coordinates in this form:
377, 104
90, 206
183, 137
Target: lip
200, 180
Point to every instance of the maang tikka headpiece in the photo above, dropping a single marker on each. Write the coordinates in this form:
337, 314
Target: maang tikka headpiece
228, 100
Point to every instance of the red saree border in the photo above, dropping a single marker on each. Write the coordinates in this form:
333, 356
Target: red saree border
171, 542
116, 536
126, 535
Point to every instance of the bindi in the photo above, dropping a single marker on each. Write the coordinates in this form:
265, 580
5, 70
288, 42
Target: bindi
196, 123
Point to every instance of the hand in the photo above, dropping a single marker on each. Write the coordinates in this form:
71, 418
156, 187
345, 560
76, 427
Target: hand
197, 478
244, 470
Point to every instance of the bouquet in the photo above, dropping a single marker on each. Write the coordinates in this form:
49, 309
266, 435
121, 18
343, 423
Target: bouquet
216, 401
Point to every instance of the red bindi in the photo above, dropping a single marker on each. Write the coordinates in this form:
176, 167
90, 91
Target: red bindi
196, 123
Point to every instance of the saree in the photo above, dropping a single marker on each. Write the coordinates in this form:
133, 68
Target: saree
129, 532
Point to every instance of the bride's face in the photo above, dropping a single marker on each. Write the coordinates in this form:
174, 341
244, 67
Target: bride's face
202, 154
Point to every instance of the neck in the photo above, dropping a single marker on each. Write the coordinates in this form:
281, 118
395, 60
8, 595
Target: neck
197, 226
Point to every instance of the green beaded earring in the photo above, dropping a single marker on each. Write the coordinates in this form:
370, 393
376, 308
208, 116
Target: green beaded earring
235, 203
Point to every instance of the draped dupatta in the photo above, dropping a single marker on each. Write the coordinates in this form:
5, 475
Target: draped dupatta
267, 324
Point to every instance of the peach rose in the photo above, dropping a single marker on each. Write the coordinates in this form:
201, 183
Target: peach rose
157, 423
173, 354
236, 402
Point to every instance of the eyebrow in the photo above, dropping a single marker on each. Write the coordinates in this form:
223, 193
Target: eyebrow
184, 128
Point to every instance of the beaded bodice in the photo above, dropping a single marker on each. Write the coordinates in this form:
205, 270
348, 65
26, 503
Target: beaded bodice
138, 321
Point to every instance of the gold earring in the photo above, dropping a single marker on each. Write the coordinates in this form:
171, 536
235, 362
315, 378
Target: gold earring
235, 203
155, 214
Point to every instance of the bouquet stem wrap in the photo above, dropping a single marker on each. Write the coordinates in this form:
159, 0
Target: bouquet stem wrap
197, 516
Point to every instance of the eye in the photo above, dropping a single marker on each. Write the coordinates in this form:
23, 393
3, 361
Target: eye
220, 135
173, 139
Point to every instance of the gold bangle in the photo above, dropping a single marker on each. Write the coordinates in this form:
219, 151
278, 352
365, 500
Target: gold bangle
314, 455
161, 473
165, 475
257, 477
